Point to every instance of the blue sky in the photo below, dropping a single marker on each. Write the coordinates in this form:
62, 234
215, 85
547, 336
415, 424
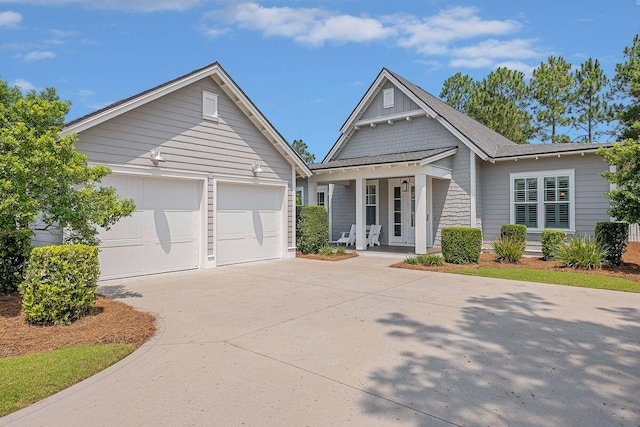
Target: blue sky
305, 64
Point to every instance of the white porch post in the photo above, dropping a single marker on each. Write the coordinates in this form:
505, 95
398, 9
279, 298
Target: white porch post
312, 190
361, 220
421, 213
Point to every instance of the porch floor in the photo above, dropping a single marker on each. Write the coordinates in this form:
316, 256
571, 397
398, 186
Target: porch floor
394, 251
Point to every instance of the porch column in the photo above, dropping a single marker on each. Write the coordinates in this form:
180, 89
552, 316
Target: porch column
361, 220
312, 189
421, 213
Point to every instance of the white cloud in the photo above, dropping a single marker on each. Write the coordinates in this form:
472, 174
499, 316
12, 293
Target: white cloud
37, 55
470, 63
517, 65
23, 84
85, 93
305, 25
135, 5
10, 19
212, 33
516, 48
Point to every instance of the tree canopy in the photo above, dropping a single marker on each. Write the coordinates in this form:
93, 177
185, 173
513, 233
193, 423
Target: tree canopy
303, 150
44, 181
627, 87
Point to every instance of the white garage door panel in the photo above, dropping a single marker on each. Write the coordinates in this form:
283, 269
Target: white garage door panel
162, 234
248, 223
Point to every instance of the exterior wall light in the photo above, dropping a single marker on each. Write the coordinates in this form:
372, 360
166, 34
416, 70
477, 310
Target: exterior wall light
156, 157
405, 186
256, 169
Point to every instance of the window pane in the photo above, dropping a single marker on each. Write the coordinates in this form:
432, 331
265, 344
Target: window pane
396, 192
371, 215
563, 215
550, 189
563, 188
397, 230
321, 199
532, 190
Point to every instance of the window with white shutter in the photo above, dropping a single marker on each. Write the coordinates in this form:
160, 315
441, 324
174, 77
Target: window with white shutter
209, 105
388, 98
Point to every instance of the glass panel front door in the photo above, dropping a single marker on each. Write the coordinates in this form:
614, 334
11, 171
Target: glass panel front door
402, 211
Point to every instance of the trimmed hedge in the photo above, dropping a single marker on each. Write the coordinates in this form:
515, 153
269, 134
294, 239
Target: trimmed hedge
613, 237
517, 232
551, 241
60, 283
461, 245
312, 229
15, 246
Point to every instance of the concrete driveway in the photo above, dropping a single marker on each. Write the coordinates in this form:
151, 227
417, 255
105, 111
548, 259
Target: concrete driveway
312, 343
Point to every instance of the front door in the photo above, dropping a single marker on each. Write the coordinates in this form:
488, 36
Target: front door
402, 211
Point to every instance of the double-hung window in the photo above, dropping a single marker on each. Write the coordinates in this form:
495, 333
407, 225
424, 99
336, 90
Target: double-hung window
371, 204
543, 199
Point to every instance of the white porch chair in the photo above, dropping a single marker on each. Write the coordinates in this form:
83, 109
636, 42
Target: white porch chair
374, 235
348, 237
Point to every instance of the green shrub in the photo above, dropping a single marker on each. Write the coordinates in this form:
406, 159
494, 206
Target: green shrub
614, 237
411, 260
508, 249
581, 252
327, 251
551, 242
430, 259
15, 246
340, 250
60, 283
516, 232
461, 245
312, 229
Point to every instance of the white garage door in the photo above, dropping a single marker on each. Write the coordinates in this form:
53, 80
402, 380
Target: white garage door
248, 223
162, 234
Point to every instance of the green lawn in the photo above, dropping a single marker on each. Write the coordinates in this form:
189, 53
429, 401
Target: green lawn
27, 379
584, 280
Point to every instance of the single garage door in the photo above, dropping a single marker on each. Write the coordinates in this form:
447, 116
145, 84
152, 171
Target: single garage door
162, 234
248, 223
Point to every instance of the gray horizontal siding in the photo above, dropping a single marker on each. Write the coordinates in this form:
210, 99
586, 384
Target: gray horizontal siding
343, 208
402, 104
190, 143
591, 203
421, 133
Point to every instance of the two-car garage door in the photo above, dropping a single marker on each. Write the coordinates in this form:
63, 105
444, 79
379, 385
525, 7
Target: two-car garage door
162, 235
165, 233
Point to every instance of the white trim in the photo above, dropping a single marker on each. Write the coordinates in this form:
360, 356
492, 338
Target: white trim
300, 188
375, 183
210, 100
462, 138
536, 156
291, 250
392, 118
472, 189
612, 186
284, 244
540, 175
397, 182
440, 156
429, 211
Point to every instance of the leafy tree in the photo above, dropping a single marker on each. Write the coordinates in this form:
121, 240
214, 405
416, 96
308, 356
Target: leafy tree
44, 181
627, 87
457, 91
625, 199
592, 101
552, 89
303, 150
500, 102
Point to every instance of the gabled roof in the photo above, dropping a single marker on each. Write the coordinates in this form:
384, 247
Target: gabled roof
220, 76
486, 143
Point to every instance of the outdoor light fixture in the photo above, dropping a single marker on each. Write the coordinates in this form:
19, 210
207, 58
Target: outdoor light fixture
405, 186
256, 169
156, 157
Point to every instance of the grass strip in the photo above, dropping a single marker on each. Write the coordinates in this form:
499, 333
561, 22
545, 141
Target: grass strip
568, 278
30, 378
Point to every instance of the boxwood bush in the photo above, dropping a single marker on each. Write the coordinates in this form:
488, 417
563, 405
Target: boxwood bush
551, 242
613, 237
15, 246
461, 245
312, 229
60, 283
517, 232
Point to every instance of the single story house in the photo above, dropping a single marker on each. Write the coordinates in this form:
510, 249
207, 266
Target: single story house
212, 179
415, 165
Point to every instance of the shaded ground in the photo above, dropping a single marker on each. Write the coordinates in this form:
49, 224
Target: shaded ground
326, 257
110, 322
630, 268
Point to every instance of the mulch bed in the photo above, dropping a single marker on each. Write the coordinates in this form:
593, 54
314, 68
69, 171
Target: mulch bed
111, 322
325, 257
630, 268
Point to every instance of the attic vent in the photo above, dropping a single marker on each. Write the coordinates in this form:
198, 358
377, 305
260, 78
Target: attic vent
209, 105
388, 98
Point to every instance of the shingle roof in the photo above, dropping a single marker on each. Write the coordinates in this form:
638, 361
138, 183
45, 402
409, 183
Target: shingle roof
489, 141
381, 159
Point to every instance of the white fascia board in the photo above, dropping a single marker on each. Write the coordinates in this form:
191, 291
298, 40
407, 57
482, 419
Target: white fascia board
438, 157
393, 118
368, 172
536, 156
136, 102
436, 171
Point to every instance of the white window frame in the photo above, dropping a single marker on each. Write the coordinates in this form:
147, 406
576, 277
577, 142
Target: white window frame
366, 199
300, 189
324, 200
209, 102
388, 98
540, 175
